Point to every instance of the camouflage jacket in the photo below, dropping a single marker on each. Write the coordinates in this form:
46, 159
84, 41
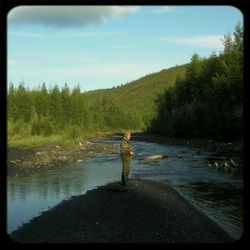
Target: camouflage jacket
125, 147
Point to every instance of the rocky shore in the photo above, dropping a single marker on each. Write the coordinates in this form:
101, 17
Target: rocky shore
227, 157
27, 161
23, 161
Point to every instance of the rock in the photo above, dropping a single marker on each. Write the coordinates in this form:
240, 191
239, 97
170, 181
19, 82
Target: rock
224, 165
153, 157
44, 158
233, 163
210, 165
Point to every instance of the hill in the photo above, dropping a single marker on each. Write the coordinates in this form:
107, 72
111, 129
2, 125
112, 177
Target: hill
140, 94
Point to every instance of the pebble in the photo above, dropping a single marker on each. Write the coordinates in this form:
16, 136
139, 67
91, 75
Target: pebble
48, 159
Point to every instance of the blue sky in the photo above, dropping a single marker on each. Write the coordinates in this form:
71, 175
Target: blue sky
104, 46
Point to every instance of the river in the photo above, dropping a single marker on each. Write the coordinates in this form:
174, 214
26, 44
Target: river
217, 194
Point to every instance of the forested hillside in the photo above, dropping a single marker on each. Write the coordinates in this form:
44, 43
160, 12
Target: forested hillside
203, 98
208, 102
141, 94
46, 112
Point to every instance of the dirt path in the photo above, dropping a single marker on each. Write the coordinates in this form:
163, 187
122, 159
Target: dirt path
147, 212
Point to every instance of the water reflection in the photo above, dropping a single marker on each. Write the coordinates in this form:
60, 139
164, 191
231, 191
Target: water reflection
46, 184
28, 196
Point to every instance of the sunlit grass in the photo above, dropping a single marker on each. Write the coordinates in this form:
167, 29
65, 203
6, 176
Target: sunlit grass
19, 135
63, 140
33, 141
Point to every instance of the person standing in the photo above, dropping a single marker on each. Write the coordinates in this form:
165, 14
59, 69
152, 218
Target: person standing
126, 153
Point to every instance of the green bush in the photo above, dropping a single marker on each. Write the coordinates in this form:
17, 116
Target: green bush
73, 132
42, 126
18, 128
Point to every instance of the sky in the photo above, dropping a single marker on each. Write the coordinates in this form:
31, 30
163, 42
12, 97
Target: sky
99, 47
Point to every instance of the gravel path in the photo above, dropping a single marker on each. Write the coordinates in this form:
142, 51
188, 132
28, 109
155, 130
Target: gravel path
145, 212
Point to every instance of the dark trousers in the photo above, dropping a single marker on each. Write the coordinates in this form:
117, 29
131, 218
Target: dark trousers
125, 159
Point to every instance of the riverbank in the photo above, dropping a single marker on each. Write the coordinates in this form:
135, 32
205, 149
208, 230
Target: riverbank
28, 161
226, 156
226, 149
147, 212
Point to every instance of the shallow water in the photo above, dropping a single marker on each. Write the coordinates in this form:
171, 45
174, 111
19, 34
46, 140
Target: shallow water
219, 195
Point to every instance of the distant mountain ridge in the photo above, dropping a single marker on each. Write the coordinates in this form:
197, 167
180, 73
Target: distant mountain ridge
140, 94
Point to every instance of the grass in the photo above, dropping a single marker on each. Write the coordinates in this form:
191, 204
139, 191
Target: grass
28, 141
19, 135
32, 141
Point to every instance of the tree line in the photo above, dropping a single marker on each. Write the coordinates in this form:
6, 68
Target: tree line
57, 111
208, 101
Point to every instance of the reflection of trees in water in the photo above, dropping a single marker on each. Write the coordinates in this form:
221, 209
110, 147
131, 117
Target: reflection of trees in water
43, 190
45, 184
13, 188
17, 188
22, 192
67, 187
56, 186
80, 183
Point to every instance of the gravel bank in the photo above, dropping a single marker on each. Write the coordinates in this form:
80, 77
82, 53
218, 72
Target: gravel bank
147, 212
28, 161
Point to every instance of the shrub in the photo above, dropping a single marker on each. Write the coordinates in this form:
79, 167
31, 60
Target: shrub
41, 126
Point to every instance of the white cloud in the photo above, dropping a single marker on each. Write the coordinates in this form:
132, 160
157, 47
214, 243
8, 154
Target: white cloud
121, 11
163, 9
206, 41
68, 16
66, 34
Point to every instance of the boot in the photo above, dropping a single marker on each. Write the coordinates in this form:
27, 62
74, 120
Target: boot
124, 180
